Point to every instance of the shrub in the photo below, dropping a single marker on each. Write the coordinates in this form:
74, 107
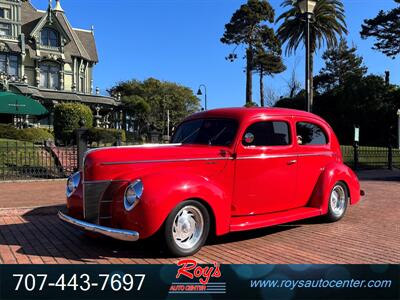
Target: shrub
8, 132
107, 136
67, 117
34, 135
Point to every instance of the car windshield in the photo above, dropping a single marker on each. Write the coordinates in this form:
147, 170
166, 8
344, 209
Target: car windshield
215, 132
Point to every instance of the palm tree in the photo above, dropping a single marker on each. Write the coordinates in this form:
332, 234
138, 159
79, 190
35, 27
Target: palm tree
327, 24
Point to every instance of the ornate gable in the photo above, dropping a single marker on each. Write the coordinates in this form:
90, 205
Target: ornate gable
50, 20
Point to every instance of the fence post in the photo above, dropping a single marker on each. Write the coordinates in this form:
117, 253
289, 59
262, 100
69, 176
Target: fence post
355, 147
119, 138
390, 157
81, 141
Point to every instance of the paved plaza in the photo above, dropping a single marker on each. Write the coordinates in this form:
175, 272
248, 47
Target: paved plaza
30, 233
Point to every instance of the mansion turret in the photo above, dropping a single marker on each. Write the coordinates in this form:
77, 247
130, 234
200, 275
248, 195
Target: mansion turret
43, 56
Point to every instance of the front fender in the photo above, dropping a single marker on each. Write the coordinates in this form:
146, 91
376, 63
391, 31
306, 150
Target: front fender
165, 190
333, 173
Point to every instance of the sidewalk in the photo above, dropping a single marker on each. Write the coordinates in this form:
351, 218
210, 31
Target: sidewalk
379, 175
32, 194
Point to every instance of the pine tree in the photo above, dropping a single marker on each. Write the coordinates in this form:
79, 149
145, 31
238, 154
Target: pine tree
245, 28
341, 65
385, 28
267, 58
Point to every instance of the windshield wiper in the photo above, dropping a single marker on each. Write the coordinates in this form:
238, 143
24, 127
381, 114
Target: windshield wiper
211, 140
190, 135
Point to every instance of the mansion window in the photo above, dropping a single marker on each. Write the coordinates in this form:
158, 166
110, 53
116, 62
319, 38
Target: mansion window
49, 37
50, 76
5, 29
4, 13
9, 64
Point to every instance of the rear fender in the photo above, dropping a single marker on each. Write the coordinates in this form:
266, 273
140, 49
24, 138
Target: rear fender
333, 173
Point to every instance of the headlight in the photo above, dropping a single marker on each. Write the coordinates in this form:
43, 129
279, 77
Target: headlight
72, 183
133, 193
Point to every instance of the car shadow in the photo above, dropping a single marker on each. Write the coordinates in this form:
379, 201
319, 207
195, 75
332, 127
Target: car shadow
41, 233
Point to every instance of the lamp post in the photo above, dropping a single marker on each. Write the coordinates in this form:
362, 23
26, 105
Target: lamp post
398, 128
307, 9
199, 93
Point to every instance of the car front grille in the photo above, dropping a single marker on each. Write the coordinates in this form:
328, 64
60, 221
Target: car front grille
93, 194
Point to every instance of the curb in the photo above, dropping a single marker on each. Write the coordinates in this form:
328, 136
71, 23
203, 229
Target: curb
32, 211
34, 180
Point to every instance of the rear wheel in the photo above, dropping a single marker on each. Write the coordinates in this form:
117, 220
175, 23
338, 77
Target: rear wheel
186, 228
338, 202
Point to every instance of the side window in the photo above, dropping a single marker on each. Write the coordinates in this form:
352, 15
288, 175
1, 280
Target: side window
267, 133
310, 134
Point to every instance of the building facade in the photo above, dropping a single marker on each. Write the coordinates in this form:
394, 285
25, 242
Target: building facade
43, 56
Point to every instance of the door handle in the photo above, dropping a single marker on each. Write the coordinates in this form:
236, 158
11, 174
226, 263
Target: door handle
292, 162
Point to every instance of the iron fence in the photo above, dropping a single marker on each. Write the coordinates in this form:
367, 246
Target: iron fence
26, 161
365, 157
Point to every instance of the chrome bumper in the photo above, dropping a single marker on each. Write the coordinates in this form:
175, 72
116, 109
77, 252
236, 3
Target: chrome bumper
119, 234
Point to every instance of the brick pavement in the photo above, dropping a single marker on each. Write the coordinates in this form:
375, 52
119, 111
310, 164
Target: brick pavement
370, 233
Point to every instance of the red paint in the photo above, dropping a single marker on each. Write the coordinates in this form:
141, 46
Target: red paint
243, 187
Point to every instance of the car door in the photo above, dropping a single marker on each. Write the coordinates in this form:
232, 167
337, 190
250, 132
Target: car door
314, 153
266, 168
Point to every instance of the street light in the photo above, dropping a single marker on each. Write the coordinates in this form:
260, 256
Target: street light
307, 9
398, 128
199, 93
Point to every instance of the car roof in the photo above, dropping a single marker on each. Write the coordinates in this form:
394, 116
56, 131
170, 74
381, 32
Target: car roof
241, 113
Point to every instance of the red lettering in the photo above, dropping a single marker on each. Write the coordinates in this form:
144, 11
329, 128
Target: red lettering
189, 269
187, 265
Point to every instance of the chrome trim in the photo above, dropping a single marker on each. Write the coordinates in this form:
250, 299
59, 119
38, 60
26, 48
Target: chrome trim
131, 146
100, 181
118, 234
166, 160
76, 179
265, 156
139, 194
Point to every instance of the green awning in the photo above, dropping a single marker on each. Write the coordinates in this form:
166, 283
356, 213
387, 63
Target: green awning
15, 104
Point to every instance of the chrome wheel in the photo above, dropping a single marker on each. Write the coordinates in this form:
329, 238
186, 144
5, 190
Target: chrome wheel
338, 200
188, 227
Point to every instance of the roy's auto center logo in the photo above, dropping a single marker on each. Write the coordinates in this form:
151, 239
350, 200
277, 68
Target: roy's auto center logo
194, 279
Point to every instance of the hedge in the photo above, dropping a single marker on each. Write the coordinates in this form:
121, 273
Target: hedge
106, 136
34, 135
67, 117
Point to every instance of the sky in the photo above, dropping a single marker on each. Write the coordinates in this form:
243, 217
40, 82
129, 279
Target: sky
179, 41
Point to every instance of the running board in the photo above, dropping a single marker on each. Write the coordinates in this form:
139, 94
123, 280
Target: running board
270, 219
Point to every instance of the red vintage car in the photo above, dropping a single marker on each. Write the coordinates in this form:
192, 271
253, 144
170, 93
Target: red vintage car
226, 170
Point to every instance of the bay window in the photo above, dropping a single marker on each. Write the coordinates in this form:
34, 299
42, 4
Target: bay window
50, 76
5, 29
9, 64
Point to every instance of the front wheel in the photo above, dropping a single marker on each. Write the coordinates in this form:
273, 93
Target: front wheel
186, 228
338, 202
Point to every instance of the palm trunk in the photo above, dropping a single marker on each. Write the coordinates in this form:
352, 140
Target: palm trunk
262, 102
249, 75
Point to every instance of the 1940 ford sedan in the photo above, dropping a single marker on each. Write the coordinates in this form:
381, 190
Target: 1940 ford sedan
226, 170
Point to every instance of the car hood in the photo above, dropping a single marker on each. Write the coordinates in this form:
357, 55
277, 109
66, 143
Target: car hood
128, 162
